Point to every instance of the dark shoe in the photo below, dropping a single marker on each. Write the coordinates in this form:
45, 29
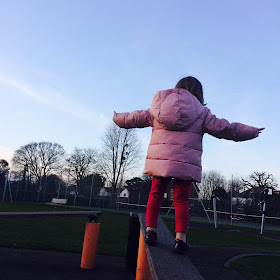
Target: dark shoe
181, 247
150, 237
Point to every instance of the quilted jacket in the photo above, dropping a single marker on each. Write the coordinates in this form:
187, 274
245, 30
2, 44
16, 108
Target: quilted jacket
179, 122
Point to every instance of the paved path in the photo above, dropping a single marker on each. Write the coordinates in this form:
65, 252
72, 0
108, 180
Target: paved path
47, 265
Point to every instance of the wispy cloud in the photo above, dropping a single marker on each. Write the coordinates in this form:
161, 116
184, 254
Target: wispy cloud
23, 89
58, 101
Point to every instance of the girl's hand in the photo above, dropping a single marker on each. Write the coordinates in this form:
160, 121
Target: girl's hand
260, 129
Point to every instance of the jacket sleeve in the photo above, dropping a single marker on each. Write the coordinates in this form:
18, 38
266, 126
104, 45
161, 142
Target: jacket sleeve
221, 128
134, 119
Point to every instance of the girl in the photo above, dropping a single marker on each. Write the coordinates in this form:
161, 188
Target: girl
179, 120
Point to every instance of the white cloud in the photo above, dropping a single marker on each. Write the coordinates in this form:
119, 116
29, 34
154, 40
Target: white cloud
59, 102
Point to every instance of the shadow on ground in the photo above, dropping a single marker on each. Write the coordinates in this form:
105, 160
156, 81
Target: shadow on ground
34, 264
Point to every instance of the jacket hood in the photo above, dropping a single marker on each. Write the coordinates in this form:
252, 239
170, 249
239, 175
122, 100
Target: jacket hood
175, 109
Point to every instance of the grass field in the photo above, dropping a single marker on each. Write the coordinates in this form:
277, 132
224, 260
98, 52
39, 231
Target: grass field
259, 267
66, 234
62, 233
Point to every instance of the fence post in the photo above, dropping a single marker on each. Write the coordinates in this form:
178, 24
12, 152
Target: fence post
215, 211
265, 191
5, 187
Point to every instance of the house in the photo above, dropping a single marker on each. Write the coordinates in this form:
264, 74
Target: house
124, 194
241, 200
104, 192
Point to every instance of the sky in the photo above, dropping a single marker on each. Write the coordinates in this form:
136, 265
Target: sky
66, 66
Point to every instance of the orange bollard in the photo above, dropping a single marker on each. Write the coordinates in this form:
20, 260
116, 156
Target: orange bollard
90, 245
143, 271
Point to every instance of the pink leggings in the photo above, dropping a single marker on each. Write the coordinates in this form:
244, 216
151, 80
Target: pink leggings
181, 194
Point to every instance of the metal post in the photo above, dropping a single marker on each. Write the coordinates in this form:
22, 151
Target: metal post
9, 182
263, 217
5, 187
17, 190
75, 194
231, 201
92, 181
40, 186
215, 211
118, 199
201, 202
45, 188
265, 191
58, 189
25, 187
67, 185
59, 185
118, 194
167, 211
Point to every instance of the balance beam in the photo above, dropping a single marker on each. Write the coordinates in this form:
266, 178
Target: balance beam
161, 261
50, 214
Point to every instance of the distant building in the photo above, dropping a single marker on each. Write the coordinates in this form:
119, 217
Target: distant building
104, 192
241, 200
124, 193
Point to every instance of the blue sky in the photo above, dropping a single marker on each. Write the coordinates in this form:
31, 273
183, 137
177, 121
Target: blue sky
65, 66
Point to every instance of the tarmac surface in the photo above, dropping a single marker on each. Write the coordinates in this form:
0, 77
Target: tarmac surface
24, 264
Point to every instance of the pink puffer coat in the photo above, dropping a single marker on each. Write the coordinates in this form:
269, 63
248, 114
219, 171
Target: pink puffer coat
179, 122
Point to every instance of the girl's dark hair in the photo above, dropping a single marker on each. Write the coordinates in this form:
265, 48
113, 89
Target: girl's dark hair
192, 85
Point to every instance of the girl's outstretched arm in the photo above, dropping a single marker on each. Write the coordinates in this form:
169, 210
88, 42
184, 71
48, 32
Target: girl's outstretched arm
221, 128
134, 119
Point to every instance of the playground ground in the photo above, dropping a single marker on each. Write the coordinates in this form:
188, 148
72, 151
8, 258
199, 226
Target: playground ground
36, 264
43, 264
48, 265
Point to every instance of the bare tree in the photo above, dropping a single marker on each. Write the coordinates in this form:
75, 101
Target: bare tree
211, 181
120, 153
80, 163
260, 180
256, 185
237, 185
39, 158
